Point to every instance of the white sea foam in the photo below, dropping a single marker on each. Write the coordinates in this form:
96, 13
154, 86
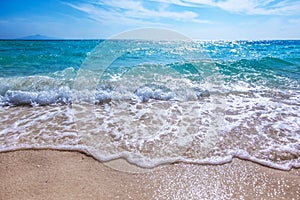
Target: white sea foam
148, 133
19, 97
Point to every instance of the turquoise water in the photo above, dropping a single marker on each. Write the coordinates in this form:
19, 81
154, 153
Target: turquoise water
154, 102
270, 63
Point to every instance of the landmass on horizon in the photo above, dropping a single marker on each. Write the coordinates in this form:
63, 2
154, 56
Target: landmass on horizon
37, 37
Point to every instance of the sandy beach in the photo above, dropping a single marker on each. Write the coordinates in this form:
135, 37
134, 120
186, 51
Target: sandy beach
50, 174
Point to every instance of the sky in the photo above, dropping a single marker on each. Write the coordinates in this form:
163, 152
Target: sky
197, 19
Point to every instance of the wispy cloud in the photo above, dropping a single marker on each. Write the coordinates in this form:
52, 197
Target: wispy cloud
133, 12
251, 7
194, 17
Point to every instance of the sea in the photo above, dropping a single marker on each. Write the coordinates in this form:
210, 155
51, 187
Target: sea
153, 102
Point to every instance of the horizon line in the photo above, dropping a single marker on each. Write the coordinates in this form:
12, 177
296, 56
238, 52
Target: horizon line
195, 39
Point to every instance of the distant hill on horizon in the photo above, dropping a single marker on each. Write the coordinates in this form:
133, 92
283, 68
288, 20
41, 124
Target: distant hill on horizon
37, 37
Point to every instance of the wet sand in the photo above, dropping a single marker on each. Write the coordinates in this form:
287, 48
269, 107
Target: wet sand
49, 174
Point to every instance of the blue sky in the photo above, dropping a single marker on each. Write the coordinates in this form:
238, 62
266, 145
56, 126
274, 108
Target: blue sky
198, 19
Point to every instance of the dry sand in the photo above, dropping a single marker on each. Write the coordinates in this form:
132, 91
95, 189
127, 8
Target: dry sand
47, 174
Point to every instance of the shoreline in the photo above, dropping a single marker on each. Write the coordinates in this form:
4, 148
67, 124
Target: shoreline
54, 174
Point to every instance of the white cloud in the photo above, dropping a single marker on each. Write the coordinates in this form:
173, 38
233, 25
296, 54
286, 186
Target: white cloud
133, 12
260, 7
123, 14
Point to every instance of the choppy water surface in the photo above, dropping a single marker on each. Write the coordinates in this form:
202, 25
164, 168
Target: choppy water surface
154, 102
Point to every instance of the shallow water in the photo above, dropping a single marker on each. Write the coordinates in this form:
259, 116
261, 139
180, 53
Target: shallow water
154, 102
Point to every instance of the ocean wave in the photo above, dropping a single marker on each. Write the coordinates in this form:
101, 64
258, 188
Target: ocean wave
155, 104
21, 98
251, 126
